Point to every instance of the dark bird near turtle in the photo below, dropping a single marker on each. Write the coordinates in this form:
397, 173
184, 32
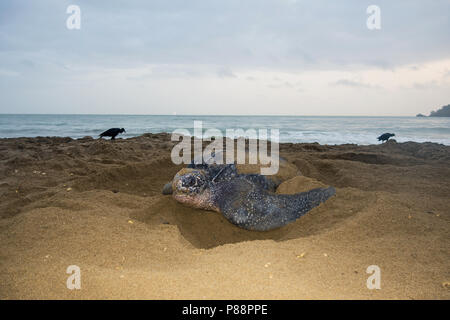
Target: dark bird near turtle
385, 136
113, 132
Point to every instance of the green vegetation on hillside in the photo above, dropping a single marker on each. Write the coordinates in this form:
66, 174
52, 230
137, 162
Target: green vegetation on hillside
442, 112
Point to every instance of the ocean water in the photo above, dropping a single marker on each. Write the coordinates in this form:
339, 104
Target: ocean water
321, 129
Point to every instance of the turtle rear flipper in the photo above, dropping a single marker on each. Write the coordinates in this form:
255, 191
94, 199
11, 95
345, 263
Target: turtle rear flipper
253, 208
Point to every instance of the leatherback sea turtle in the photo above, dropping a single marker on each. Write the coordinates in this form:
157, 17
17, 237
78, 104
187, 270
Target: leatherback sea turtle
246, 200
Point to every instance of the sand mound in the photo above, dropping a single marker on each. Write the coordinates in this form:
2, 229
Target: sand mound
299, 184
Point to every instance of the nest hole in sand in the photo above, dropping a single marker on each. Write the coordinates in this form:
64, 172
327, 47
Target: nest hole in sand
207, 229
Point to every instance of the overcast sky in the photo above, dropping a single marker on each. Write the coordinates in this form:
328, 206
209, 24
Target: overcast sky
224, 57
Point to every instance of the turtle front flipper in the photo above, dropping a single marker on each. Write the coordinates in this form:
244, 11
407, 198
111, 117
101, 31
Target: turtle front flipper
250, 207
167, 189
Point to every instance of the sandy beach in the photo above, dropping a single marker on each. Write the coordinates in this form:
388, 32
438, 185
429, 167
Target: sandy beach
97, 204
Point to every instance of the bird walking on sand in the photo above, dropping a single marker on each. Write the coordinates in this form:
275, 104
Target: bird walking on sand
113, 132
385, 137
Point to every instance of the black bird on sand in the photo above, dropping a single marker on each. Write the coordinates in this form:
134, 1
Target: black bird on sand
385, 136
113, 132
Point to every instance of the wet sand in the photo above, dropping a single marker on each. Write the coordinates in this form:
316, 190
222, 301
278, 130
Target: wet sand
97, 204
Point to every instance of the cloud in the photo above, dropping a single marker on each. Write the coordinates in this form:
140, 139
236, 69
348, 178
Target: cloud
181, 46
351, 83
285, 85
425, 85
260, 33
225, 73
8, 73
27, 63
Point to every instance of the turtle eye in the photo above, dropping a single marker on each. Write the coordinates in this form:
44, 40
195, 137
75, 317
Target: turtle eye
189, 181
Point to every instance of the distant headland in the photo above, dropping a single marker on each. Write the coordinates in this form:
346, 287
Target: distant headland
442, 112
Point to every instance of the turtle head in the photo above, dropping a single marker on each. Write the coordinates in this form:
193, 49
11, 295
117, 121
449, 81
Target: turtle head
191, 183
191, 187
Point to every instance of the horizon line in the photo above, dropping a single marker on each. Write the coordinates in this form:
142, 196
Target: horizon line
200, 115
